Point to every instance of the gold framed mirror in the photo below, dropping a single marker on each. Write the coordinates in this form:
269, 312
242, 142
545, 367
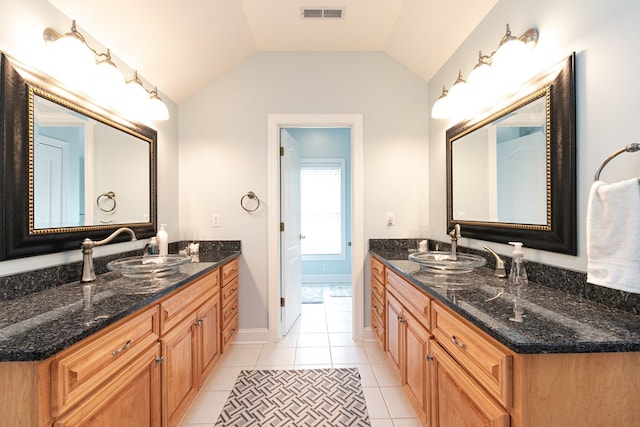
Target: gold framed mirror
71, 170
511, 172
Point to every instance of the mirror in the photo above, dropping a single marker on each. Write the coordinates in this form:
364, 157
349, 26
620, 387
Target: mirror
511, 172
70, 169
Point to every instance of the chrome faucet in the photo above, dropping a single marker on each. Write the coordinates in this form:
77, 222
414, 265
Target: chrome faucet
454, 234
499, 271
87, 245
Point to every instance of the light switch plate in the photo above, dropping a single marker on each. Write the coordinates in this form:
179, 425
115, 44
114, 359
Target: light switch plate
390, 218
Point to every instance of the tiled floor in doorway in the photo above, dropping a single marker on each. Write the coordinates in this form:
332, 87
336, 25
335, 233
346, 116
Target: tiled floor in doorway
321, 338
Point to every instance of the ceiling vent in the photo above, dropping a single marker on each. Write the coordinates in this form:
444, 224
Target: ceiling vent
321, 13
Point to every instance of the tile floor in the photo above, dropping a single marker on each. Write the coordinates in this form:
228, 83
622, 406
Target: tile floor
321, 338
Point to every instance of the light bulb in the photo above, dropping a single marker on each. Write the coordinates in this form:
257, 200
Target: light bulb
108, 81
136, 97
458, 92
440, 108
157, 109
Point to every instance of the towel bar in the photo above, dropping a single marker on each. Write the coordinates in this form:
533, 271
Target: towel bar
629, 149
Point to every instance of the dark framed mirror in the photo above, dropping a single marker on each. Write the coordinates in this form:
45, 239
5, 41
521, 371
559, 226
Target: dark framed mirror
511, 173
70, 170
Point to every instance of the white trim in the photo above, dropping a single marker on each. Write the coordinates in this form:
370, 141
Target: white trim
274, 123
368, 334
326, 278
252, 336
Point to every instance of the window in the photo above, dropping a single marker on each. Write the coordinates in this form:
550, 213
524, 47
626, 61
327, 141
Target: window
322, 201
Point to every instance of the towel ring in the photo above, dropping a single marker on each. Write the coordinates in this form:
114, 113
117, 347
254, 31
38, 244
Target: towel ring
628, 149
250, 195
110, 195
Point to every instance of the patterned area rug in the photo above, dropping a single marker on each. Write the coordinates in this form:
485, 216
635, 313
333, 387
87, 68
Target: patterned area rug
312, 294
340, 290
310, 397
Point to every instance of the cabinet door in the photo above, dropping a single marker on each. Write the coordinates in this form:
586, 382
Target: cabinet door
394, 331
208, 330
132, 398
457, 398
416, 378
180, 371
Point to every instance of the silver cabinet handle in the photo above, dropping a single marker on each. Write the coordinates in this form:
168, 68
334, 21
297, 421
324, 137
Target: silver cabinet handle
457, 342
126, 346
160, 359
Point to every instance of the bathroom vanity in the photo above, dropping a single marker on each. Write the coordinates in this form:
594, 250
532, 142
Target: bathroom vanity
461, 361
137, 355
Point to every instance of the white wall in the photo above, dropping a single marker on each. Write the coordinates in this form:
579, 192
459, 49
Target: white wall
605, 36
223, 148
21, 27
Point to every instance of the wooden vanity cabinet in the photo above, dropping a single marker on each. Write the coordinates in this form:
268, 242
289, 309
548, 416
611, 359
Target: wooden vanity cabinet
473, 380
378, 316
229, 303
132, 397
81, 370
190, 344
408, 344
457, 399
440, 389
144, 370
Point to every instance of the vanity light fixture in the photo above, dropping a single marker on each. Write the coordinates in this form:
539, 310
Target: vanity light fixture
109, 84
500, 66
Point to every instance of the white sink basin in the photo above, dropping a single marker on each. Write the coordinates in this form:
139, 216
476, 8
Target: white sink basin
444, 263
149, 266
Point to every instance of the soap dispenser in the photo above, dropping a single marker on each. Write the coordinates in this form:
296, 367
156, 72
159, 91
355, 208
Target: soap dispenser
517, 279
518, 272
163, 240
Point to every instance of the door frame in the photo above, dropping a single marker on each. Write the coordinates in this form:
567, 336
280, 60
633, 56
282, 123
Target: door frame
274, 123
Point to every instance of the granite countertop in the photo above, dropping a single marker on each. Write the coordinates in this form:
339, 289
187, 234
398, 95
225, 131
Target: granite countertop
554, 321
37, 326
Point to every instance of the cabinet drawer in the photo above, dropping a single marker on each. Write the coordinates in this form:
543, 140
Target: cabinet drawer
412, 298
377, 269
229, 332
131, 398
229, 271
377, 326
229, 310
377, 307
230, 292
177, 307
484, 359
377, 288
80, 370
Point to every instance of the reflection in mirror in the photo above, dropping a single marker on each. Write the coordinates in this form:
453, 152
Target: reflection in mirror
78, 164
511, 170
494, 163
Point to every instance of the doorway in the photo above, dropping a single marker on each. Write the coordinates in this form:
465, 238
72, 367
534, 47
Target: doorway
275, 186
315, 174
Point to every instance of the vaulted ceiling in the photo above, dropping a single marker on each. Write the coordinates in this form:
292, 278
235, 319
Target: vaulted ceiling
183, 45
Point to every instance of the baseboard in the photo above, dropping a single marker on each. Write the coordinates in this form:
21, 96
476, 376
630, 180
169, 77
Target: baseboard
252, 336
368, 334
326, 278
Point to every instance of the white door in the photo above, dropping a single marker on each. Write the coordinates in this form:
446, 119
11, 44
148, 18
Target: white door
50, 181
522, 183
291, 268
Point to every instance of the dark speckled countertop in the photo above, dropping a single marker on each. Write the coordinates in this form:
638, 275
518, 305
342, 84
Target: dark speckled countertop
554, 321
39, 325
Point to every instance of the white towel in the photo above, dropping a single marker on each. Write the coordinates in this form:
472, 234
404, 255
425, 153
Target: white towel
613, 235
